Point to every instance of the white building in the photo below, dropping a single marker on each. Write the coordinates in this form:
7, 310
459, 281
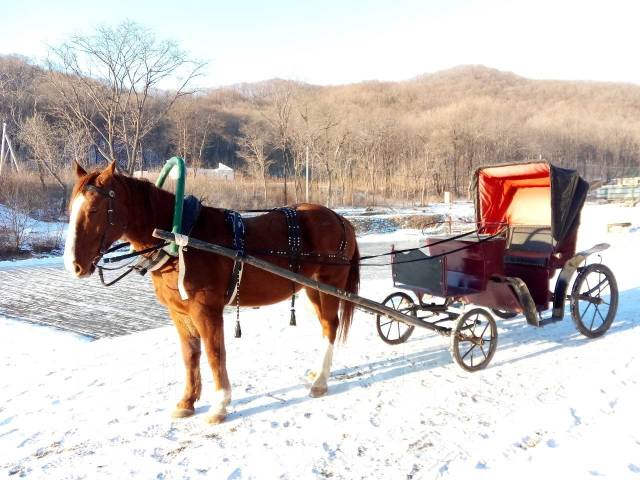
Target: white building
222, 172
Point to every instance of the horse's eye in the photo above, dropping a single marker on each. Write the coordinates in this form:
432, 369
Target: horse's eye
93, 210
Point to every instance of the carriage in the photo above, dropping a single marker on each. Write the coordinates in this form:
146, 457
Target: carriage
524, 236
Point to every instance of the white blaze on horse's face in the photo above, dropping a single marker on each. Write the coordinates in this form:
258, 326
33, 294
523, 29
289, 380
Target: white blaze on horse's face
72, 233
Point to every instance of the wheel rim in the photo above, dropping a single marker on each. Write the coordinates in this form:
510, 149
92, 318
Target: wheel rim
475, 340
593, 300
393, 331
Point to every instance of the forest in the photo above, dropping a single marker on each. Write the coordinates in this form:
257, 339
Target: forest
122, 94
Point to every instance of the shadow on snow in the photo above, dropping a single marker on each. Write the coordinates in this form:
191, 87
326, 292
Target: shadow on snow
512, 333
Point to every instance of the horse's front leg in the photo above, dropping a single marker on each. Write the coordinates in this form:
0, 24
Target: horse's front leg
190, 346
209, 322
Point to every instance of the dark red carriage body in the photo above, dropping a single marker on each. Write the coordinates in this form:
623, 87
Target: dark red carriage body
527, 215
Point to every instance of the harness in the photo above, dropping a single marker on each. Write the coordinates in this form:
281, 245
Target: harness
161, 253
238, 231
295, 250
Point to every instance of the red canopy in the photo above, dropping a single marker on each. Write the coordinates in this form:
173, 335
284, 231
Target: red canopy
536, 193
514, 194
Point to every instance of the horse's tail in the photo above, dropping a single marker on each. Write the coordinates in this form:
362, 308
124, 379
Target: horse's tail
353, 283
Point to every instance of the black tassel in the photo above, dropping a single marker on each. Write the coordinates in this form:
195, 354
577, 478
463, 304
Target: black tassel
292, 322
238, 329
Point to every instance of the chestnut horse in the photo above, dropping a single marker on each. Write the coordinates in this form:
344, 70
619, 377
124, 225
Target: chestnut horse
137, 207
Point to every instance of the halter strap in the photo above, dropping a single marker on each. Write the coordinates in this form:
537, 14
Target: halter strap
101, 191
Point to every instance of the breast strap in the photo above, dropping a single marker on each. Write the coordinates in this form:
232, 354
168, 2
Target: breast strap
191, 207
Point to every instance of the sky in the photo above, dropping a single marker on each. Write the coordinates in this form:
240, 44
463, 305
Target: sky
337, 42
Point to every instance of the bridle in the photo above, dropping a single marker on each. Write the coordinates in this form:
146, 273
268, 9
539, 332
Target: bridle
110, 195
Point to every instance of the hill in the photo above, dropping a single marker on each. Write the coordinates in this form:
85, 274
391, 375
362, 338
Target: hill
371, 140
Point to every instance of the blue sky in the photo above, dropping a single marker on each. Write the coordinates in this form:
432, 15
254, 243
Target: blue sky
332, 42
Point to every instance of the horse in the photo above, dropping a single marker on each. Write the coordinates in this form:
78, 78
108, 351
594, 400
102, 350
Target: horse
106, 206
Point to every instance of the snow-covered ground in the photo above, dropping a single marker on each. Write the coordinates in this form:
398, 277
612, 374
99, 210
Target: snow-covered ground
552, 404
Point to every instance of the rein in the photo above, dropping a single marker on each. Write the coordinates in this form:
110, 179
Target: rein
294, 253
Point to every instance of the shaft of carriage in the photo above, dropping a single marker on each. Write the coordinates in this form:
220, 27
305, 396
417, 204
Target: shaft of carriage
361, 302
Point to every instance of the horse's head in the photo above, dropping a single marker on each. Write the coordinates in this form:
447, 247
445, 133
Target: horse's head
96, 219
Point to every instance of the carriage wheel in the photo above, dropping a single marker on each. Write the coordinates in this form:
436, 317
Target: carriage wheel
505, 314
594, 300
391, 331
474, 339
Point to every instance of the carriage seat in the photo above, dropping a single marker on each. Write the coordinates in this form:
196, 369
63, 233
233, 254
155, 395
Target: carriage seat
529, 245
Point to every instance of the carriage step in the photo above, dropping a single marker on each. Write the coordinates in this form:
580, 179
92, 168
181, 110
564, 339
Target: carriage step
547, 321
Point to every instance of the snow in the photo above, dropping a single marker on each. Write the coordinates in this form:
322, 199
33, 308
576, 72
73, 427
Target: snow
400, 235
33, 231
33, 226
552, 404
32, 262
455, 209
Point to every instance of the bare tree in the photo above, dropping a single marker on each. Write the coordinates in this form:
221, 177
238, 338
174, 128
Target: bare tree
110, 83
19, 81
15, 218
47, 145
281, 97
255, 150
193, 125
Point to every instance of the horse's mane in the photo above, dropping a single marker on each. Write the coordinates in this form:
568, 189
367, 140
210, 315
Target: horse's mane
140, 190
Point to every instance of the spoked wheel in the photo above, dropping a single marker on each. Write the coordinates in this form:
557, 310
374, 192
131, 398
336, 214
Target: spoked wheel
391, 331
474, 339
506, 314
594, 300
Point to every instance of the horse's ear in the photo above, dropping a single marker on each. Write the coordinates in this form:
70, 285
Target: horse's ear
80, 172
106, 174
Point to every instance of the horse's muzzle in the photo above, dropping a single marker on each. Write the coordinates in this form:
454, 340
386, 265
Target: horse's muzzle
80, 272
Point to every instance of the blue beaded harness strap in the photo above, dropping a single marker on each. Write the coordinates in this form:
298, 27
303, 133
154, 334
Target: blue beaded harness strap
236, 223
295, 250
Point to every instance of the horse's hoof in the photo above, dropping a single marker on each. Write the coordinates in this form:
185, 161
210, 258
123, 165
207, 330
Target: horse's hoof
216, 418
182, 412
318, 391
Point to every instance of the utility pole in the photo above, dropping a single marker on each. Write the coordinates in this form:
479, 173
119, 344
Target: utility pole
306, 197
13, 155
5, 140
4, 129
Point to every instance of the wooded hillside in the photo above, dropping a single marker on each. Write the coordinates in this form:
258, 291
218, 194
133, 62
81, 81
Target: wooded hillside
365, 142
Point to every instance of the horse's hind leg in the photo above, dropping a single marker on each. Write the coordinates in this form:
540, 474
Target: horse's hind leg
326, 308
190, 346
